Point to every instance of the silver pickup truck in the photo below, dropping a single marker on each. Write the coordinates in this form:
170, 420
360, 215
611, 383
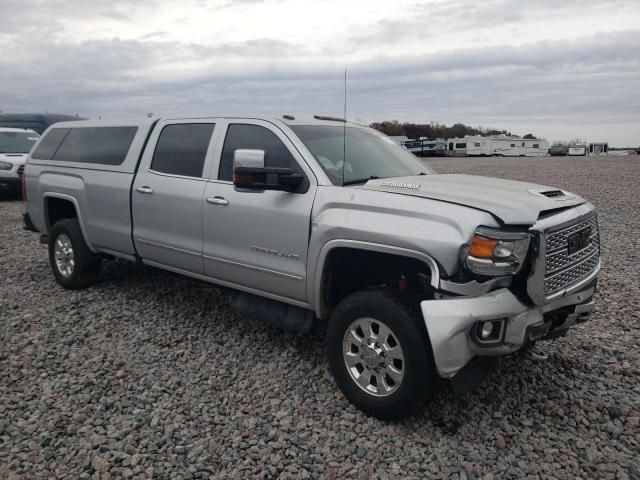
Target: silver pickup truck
420, 276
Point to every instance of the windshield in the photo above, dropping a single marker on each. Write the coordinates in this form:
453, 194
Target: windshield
369, 154
17, 142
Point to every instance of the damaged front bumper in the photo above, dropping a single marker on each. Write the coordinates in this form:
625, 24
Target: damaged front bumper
453, 324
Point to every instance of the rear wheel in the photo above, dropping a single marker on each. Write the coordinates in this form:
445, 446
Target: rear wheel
380, 355
74, 265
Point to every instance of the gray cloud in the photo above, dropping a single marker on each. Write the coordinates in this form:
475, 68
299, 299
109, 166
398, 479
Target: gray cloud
592, 78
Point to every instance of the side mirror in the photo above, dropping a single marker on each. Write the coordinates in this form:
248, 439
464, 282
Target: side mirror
249, 173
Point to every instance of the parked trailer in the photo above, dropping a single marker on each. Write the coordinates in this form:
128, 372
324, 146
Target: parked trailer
497, 146
469, 146
426, 147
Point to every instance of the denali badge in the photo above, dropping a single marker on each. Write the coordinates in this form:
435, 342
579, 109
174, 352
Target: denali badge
275, 253
412, 186
579, 240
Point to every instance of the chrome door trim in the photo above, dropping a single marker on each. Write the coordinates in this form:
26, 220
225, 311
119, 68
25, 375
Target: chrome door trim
172, 175
167, 247
255, 268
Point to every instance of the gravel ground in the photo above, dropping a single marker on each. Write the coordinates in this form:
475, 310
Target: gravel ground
148, 374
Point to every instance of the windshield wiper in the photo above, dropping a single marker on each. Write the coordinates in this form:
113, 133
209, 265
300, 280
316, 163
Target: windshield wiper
359, 180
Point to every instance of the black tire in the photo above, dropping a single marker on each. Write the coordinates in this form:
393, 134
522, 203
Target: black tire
86, 264
420, 381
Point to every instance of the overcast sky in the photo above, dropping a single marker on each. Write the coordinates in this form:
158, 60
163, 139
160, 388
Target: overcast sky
557, 68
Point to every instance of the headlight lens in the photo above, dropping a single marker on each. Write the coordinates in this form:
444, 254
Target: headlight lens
6, 166
493, 252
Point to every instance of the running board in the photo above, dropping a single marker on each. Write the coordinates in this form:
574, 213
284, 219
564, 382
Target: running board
278, 314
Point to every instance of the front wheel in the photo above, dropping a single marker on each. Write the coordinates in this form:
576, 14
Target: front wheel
379, 354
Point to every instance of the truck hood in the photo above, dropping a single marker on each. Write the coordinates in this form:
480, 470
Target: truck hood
513, 202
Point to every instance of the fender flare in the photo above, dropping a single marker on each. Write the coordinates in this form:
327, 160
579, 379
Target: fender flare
315, 293
64, 196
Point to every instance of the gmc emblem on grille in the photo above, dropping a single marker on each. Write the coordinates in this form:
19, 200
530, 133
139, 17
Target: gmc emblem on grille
579, 240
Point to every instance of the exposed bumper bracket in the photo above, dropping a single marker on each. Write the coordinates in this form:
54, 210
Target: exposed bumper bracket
449, 324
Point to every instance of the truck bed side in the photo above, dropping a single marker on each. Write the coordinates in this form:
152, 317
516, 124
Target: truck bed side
98, 194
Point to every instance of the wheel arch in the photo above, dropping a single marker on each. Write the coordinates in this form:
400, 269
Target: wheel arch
319, 303
63, 204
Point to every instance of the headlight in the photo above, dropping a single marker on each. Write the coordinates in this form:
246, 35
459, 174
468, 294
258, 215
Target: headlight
493, 252
6, 166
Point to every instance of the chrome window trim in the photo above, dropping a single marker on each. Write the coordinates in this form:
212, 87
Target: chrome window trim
185, 177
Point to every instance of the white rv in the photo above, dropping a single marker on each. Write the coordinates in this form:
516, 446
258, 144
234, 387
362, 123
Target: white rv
469, 146
426, 147
497, 146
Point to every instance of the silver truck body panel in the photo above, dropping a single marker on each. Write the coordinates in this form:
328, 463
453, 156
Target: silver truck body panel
513, 202
401, 222
276, 244
167, 209
267, 249
101, 193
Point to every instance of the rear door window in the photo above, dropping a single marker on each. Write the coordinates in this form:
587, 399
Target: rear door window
96, 145
182, 148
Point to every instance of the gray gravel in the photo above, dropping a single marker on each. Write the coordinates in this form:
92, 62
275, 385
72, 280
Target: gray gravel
148, 374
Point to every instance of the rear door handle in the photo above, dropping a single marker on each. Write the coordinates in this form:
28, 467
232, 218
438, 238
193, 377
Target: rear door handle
144, 190
217, 200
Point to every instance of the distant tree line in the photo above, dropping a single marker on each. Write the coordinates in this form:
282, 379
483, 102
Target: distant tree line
436, 130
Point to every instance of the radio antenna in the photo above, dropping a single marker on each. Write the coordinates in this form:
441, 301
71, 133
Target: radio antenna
344, 128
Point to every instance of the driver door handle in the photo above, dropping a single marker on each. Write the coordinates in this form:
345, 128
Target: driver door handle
144, 189
218, 201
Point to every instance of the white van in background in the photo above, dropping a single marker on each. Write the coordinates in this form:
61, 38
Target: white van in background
15, 144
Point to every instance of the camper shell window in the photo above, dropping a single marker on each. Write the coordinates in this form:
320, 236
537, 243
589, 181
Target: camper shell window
461, 145
94, 145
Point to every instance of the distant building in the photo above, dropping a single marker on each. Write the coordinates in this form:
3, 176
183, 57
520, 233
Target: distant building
496, 146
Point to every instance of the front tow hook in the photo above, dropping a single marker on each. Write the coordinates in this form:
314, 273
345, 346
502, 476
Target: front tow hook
537, 354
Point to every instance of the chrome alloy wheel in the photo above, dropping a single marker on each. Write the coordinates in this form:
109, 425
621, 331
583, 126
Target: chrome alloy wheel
63, 253
373, 356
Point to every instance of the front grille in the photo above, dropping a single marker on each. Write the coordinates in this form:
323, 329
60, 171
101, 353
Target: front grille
20, 170
562, 269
